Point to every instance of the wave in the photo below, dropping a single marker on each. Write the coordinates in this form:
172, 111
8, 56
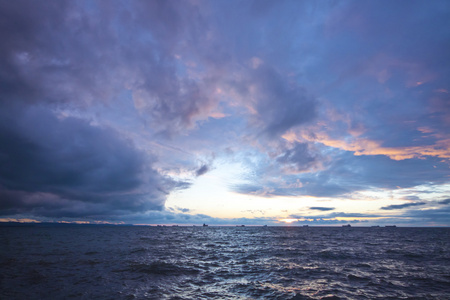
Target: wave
161, 268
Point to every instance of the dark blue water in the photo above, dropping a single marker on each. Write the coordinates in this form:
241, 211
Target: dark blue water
224, 263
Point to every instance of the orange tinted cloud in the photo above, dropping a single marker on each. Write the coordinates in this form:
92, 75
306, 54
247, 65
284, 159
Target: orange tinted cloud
362, 146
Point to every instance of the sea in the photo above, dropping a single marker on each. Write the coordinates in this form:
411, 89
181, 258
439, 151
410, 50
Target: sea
149, 262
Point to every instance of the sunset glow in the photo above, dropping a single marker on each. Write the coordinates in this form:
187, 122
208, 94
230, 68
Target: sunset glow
288, 220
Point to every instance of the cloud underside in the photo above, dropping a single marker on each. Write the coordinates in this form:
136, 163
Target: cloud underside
321, 208
402, 206
68, 167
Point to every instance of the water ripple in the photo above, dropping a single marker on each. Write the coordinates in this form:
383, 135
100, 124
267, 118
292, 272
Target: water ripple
224, 263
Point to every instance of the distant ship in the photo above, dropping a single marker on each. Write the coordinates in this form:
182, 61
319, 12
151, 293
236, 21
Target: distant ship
348, 225
376, 226
390, 226
240, 225
205, 225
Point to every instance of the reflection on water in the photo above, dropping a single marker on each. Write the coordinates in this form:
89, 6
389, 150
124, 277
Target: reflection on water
224, 263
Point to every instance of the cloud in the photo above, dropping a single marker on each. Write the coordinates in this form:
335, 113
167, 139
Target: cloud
341, 174
276, 105
446, 201
324, 101
349, 174
438, 216
401, 206
202, 170
412, 198
363, 146
410, 217
298, 158
281, 106
178, 210
321, 208
73, 55
334, 215
68, 167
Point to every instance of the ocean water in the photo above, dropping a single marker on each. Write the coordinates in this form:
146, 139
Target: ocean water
130, 262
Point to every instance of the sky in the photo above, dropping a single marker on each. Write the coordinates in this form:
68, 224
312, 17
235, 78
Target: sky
225, 112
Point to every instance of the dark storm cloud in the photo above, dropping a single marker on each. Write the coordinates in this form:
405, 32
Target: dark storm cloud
401, 206
19, 32
65, 53
63, 56
321, 208
50, 55
67, 167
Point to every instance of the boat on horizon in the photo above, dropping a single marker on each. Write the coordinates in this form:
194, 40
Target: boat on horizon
391, 226
348, 225
205, 225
